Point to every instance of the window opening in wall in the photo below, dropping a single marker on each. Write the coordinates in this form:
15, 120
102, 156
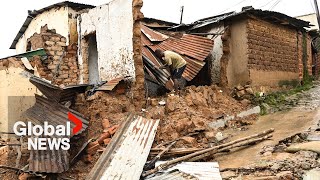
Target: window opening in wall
93, 59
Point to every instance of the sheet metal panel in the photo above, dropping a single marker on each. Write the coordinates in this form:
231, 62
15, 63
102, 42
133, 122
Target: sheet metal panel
201, 170
57, 93
152, 35
193, 66
47, 161
128, 150
172, 175
110, 85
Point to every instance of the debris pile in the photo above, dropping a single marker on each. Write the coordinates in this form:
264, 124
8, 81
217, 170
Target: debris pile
243, 92
191, 112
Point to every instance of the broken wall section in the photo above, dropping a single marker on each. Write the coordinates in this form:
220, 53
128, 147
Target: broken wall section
16, 92
60, 65
113, 25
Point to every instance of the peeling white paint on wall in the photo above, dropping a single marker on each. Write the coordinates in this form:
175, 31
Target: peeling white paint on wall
56, 18
113, 25
216, 53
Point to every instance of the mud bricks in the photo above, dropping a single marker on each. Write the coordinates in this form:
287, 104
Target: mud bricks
271, 47
60, 66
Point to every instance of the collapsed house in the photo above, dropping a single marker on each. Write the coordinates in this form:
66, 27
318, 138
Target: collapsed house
261, 48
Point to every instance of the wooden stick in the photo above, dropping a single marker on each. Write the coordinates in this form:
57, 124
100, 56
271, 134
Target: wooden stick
245, 143
176, 151
155, 159
189, 156
9, 167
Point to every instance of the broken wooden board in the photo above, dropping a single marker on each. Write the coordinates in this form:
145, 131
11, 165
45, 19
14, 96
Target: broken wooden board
128, 150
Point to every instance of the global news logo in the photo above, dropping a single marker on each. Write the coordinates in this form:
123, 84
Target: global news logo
47, 136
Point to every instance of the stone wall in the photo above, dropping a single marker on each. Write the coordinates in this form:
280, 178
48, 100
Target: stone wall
60, 65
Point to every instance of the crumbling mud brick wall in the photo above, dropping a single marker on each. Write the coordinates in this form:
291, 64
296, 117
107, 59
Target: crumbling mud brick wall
274, 53
60, 65
304, 51
138, 87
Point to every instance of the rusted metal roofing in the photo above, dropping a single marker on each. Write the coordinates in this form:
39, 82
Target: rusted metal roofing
152, 35
57, 93
194, 49
110, 85
128, 150
56, 114
201, 170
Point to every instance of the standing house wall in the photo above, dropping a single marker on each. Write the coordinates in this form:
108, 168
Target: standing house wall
56, 18
275, 53
237, 66
113, 25
16, 93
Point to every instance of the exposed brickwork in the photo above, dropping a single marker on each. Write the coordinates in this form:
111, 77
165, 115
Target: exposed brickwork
60, 66
85, 60
138, 87
225, 57
271, 47
10, 62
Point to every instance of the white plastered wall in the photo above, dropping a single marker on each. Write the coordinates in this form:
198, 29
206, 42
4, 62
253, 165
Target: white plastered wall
56, 18
113, 25
16, 88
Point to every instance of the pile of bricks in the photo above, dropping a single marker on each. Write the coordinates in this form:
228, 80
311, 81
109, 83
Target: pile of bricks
103, 140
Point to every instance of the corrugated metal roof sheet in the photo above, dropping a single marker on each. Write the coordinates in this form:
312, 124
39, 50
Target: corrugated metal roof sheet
194, 49
173, 175
193, 66
272, 16
152, 35
128, 150
110, 85
201, 170
57, 93
56, 114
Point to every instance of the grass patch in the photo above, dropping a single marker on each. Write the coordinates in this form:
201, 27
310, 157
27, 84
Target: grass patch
276, 100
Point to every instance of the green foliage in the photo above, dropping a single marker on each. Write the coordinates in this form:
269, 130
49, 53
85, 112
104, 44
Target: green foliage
278, 99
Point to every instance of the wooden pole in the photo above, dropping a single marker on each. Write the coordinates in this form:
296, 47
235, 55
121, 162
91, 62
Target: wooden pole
182, 8
198, 153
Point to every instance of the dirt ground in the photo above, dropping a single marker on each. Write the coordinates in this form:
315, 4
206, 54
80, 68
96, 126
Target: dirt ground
192, 111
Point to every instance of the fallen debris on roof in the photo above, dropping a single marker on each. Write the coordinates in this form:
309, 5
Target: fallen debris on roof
194, 49
128, 150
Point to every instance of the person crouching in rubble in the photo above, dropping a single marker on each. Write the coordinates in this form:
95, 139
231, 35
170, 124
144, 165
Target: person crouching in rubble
176, 63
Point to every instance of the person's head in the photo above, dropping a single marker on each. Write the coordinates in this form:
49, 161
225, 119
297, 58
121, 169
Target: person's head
159, 53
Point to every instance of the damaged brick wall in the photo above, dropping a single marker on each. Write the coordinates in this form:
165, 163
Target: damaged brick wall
138, 87
225, 57
60, 65
276, 49
304, 51
271, 48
